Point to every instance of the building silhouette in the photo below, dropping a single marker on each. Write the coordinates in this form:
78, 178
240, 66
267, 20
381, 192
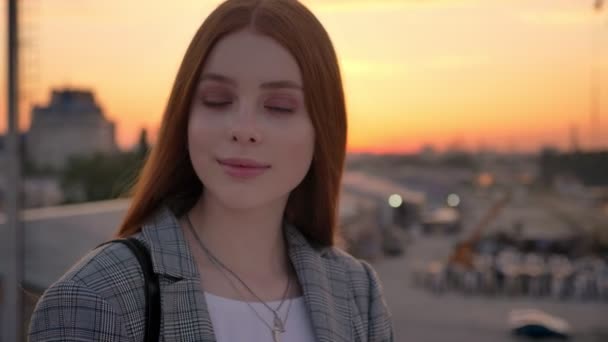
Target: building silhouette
72, 124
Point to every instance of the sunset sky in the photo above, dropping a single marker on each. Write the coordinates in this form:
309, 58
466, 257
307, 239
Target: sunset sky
501, 74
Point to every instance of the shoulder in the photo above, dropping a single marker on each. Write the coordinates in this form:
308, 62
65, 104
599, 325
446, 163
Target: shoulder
359, 271
69, 311
360, 275
367, 293
103, 269
90, 300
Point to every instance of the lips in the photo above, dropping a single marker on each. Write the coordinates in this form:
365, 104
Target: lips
243, 168
243, 163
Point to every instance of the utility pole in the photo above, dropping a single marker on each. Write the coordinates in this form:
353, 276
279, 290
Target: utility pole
574, 144
595, 83
12, 317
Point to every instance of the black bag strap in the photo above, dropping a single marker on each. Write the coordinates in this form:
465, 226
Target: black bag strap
151, 288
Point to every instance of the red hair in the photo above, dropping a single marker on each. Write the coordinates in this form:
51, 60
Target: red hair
168, 177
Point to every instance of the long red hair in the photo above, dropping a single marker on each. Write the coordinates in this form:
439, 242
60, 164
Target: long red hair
168, 177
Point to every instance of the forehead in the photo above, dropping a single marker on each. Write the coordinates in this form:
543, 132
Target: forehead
248, 56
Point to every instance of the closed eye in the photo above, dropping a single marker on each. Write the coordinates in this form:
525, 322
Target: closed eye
279, 109
216, 104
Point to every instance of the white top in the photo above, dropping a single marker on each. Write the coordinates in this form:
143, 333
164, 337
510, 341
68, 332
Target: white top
234, 321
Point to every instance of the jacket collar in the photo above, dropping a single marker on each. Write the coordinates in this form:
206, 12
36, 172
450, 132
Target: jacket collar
171, 254
326, 300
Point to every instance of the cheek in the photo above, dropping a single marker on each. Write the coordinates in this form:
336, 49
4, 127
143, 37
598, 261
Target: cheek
201, 132
202, 139
298, 147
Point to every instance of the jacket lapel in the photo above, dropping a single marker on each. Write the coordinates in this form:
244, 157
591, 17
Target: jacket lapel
325, 288
185, 315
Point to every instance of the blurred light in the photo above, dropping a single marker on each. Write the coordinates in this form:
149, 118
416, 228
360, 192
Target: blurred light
525, 178
453, 200
485, 179
395, 200
597, 5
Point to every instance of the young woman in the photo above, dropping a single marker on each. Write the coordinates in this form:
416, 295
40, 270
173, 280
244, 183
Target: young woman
237, 201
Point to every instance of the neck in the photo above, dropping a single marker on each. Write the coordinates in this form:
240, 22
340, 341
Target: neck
249, 241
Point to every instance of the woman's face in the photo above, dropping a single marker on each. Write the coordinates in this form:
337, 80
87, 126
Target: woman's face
250, 137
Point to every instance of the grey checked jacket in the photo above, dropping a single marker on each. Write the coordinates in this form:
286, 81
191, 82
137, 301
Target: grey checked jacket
101, 298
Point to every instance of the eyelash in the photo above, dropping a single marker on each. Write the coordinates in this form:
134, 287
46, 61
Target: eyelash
219, 105
216, 104
279, 109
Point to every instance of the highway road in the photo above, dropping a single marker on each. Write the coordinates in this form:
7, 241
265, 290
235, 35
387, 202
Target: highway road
419, 315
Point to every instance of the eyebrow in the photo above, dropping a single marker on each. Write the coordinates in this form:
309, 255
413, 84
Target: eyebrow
265, 85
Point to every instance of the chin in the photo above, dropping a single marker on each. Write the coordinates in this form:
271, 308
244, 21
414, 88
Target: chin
245, 200
241, 202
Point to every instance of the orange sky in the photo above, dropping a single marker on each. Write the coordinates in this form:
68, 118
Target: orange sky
503, 74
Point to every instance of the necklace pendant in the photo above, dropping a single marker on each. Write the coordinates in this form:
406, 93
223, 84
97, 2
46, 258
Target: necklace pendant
276, 335
278, 329
278, 325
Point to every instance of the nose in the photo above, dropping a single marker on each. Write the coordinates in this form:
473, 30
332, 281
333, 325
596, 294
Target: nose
245, 129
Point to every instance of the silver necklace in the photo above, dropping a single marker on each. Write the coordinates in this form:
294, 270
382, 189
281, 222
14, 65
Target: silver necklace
278, 324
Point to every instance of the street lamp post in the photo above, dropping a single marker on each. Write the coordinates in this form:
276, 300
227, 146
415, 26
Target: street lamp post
12, 326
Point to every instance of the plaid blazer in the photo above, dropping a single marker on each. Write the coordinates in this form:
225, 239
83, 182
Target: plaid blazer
101, 298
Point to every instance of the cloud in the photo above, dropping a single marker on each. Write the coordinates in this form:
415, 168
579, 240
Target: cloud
570, 17
455, 62
342, 6
395, 69
360, 67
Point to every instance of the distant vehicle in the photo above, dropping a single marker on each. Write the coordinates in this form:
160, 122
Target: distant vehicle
538, 324
393, 241
374, 214
444, 219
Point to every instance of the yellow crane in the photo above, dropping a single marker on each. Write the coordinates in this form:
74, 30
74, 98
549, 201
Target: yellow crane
463, 253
